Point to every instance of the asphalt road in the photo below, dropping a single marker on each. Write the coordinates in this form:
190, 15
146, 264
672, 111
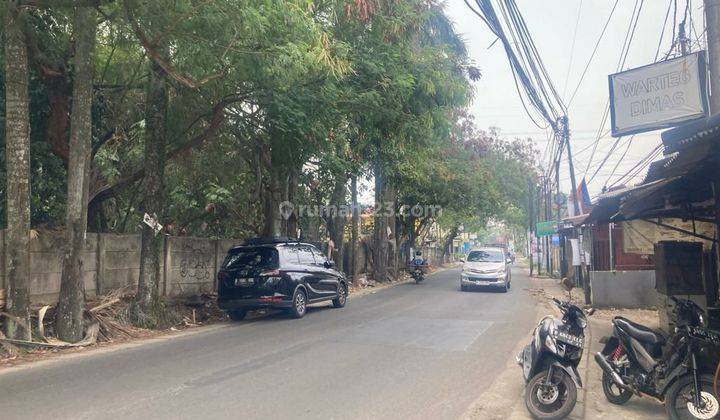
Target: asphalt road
411, 351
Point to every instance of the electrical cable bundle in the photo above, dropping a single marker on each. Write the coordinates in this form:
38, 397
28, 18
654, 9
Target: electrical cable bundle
537, 92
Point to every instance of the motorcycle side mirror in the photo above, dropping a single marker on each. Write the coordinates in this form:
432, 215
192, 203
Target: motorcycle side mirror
567, 284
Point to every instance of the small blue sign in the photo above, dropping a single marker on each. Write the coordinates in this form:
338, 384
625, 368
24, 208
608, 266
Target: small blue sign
555, 240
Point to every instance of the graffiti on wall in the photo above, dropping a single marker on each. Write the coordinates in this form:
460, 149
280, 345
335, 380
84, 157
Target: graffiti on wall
196, 264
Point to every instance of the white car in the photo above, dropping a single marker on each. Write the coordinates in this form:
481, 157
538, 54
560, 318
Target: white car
486, 267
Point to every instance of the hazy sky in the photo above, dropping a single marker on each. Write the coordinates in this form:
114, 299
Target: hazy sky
552, 24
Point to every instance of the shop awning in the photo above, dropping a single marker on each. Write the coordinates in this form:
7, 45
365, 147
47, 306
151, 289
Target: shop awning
679, 185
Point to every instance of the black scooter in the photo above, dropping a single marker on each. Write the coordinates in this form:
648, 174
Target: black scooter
674, 370
417, 273
550, 363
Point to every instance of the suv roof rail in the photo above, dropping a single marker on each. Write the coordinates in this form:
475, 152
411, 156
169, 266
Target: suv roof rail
268, 240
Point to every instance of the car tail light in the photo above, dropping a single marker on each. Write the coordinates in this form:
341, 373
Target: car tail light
271, 273
223, 275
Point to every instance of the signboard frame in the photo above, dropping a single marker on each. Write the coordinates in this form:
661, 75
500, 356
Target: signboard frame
543, 228
702, 77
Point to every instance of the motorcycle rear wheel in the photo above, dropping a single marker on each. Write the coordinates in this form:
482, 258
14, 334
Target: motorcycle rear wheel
613, 393
556, 406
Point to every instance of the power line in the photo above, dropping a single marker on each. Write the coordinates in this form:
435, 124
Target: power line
532, 81
627, 42
572, 48
642, 164
629, 143
592, 55
662, 33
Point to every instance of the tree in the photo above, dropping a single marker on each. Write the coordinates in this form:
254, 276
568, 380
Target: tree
71, 304
147, 296
17, 159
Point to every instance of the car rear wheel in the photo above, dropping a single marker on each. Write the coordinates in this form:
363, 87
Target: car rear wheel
299, 305
341, 298
237, 315
463, 288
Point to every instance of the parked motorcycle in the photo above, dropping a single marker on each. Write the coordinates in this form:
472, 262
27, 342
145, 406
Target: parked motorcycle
675, 370
550, 363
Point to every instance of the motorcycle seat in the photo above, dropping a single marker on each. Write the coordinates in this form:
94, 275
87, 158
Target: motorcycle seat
640, 332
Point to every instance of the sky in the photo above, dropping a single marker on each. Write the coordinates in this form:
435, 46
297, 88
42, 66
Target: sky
552, 24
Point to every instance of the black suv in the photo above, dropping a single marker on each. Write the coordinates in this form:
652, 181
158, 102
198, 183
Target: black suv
278, 273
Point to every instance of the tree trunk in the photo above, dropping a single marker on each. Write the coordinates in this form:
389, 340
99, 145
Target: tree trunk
272, 200
411, 238
380, 248
292, 221
390, 200
156, 104
449, 240
336, 225
58, 121
354, 231
17, 159
71, 304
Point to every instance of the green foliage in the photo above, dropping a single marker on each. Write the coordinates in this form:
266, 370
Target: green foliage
321, 89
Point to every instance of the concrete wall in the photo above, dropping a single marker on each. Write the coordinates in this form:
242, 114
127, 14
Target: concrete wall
190, 265
623, 289
110, 262
118, 261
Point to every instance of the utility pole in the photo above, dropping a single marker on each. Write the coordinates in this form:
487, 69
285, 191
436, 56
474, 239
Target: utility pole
546, 238
538, 193
556, 201
684, 47
712, 35
531, 224
712, 23
564, 126
548, 216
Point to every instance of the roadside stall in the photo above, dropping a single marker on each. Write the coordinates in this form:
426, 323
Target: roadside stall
669, 221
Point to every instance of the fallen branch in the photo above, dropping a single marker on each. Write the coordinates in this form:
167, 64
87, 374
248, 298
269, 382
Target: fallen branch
104, 305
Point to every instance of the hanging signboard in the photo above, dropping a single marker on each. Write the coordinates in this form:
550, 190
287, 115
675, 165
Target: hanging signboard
658, 95
546, 228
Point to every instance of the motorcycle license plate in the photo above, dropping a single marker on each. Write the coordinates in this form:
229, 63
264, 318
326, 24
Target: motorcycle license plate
570, 339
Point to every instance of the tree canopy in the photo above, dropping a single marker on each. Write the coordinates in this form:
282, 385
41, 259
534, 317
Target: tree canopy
252, 103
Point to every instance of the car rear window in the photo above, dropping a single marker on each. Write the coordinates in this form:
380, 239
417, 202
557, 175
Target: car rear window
259, 257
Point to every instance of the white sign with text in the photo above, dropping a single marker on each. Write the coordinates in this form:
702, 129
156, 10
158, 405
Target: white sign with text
658, 95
